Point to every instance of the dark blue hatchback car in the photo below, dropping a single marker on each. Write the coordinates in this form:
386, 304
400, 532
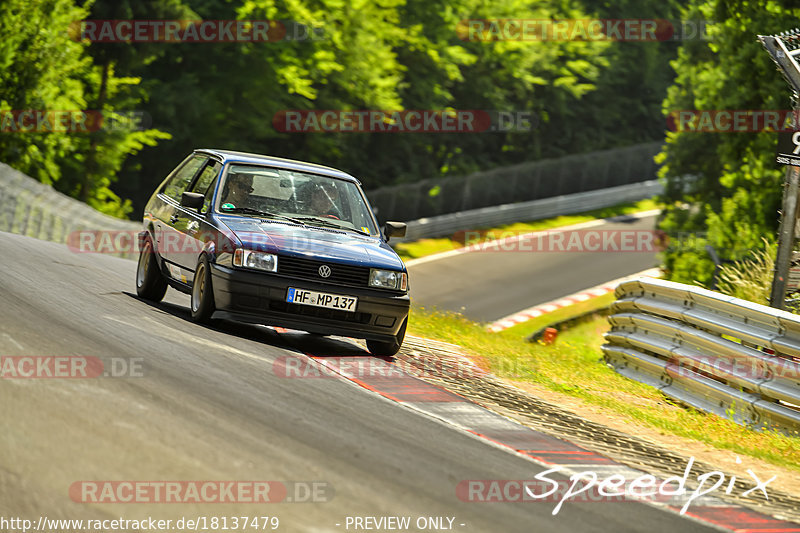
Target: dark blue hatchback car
277, 242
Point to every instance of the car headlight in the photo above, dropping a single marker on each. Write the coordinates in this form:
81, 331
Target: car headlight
388, 279
253, 259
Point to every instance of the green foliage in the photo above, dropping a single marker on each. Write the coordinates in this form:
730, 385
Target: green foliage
98, 156
41, 69
688, 262
387, 55
626, 106
724, 185
44, 69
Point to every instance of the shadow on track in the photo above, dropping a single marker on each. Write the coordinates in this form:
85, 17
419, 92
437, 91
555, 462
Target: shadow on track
309, 343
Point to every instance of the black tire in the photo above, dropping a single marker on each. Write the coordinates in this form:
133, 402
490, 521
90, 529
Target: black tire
388, 348
150, 283
202, 294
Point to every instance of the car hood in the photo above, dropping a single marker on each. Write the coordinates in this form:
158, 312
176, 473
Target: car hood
310, 242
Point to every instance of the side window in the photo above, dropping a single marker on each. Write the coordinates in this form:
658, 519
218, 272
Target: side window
205, 183
181, 180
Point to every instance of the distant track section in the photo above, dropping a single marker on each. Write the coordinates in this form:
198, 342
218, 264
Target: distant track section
489, 283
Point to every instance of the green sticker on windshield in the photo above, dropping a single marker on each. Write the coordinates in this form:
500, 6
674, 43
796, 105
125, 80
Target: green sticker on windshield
228, 206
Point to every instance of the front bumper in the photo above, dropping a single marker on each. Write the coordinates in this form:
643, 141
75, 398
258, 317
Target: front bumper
260, 298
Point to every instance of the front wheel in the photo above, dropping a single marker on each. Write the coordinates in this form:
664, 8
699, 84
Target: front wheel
388, 348
202, 294
150, 283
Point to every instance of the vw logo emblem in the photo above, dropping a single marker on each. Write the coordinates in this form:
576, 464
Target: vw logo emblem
324, 271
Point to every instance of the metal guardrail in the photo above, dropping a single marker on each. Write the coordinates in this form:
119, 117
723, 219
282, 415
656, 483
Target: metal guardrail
524, 182
714, 352
28, 207
527, 211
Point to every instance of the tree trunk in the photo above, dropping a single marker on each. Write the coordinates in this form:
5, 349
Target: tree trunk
91, 156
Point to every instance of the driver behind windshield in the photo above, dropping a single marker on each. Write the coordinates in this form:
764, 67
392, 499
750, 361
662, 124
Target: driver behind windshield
237, 190
325, 201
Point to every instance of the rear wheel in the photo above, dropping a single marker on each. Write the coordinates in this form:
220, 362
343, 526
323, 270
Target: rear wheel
202, 294
150, 283
388, 348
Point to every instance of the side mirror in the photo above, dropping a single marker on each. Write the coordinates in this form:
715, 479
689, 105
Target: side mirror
192, 200
394, 229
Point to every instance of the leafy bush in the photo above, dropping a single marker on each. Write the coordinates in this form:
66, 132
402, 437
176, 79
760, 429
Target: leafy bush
724, 185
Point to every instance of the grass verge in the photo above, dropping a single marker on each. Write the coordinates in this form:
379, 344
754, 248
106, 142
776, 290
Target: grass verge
527, 328
423, 247
572, 367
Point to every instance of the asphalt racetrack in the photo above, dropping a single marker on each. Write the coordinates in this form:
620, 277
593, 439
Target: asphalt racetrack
207, 403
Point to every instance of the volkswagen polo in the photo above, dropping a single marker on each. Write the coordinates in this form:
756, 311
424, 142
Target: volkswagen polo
277, 242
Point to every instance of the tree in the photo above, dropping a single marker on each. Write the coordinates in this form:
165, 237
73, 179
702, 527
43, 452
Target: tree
724, 188
626, 107
45, 69
389, 55
42, 68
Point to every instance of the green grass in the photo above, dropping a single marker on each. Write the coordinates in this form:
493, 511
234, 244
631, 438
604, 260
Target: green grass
423, 247
572, 366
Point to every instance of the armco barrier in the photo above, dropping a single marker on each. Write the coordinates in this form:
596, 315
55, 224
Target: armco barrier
717, 353
526, 211
524, 182
30, 208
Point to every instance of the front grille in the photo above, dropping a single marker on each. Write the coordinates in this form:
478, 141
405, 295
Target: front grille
319, 312
295, 267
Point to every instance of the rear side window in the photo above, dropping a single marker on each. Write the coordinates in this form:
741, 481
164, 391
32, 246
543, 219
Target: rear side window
205, 183
181, 180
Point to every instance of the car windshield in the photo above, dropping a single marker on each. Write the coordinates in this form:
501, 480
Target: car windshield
300, 197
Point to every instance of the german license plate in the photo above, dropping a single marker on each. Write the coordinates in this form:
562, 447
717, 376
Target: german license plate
321, 299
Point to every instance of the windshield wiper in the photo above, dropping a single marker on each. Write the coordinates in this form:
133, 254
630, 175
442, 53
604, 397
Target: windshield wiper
332, 224
251, 211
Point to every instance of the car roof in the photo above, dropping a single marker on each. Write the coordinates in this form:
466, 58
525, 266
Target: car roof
228, 156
